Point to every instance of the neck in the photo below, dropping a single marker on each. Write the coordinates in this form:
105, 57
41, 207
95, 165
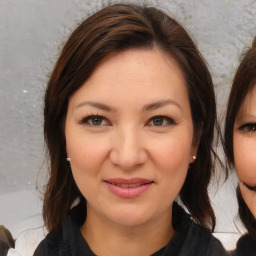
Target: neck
107, 238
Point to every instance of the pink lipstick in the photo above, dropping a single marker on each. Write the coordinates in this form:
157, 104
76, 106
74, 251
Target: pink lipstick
128, 188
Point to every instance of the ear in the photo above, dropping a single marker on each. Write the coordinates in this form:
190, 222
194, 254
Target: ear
67, 153
195, 143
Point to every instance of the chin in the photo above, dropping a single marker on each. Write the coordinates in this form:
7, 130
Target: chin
127, 221
129, 217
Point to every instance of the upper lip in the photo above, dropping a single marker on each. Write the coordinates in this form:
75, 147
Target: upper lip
128, 181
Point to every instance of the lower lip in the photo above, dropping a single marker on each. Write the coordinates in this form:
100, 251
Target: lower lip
128, 192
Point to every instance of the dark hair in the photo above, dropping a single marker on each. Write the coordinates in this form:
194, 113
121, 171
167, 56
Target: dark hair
107, 32
244, 81
6, 240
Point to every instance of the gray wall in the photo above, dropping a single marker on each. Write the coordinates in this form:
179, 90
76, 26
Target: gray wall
30, 35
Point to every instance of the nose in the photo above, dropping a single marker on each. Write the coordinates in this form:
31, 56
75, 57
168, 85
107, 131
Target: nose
127, 149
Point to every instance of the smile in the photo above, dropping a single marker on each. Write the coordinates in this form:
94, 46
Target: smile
128, 185
128, 188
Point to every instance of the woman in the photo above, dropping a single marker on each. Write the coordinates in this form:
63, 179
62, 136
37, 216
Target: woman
129, 124
240, 145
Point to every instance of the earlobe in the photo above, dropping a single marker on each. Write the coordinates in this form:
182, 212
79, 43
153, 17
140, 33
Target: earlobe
68, 158
196, 143
194, 151
193, 158
67, 154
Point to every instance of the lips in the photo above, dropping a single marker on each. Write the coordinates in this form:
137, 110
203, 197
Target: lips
128, 185
131, 188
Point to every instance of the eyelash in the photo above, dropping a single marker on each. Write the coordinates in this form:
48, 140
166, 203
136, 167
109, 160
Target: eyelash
249, 187
169, 120
166, 121
85, 120
250, 127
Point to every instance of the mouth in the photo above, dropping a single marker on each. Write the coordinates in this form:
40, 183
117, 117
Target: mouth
125, 185
128, 188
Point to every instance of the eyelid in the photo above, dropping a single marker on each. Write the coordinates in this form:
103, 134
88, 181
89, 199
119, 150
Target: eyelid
250, 187
84, 120
169, 120
247, 126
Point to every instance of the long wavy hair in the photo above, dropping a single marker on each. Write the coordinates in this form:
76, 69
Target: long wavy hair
244, 81
110, 31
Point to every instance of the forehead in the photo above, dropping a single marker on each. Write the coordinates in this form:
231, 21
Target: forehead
249, 103
134, 72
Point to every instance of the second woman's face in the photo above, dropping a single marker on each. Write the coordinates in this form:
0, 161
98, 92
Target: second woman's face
244, 142
129, 134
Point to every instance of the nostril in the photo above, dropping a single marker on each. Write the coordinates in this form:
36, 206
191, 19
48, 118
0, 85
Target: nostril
128, 159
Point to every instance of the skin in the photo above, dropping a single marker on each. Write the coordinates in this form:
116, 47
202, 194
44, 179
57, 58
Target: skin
244, 138
127, 139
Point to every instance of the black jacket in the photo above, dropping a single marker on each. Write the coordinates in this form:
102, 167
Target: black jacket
190, 240
246, 246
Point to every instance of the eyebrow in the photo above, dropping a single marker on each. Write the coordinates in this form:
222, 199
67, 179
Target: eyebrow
249, 116
161, 103
148, 107
244, 117
96, 105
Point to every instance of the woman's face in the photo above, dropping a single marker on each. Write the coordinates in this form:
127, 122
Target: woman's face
244, 141
129, 134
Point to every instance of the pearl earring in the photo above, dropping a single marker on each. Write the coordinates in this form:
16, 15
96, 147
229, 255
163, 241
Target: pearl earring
68, 159
194, 157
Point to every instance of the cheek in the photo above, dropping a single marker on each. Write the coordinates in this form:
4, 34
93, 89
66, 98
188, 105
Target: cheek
172, 154
87, 153
87, 157
245, 158
171, 161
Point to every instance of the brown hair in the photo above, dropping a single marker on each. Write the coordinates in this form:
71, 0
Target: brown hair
109, 31
244, 81
6, 240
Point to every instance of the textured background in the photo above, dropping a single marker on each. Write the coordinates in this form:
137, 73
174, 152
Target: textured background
31, 35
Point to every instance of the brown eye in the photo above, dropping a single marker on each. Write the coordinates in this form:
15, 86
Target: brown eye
160, 121
250, 127
95, 121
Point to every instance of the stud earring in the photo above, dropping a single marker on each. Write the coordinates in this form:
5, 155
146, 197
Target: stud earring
194, 157
68, 159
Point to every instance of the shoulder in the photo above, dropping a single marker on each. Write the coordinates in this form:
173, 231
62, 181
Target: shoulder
246, 245
193, 239
51, 244
206, 243
66, 239
56, 242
